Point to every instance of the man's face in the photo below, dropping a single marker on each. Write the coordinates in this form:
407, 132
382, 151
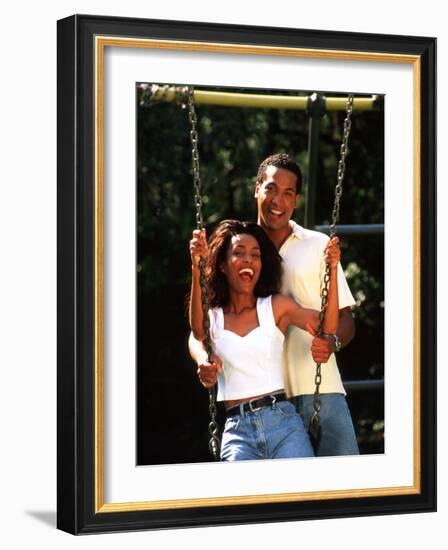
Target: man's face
276, 198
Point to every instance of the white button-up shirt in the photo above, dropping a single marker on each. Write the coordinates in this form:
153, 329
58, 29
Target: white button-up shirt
303, 270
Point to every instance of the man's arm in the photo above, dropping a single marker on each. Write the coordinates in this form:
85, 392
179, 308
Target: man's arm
207, 372
322, 348
346, 330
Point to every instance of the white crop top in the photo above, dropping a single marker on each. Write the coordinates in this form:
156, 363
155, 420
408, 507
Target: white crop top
252, 364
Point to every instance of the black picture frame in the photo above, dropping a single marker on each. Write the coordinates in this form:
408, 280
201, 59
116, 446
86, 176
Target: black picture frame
80, 506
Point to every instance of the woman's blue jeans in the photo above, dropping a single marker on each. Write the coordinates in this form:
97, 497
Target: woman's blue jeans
274, 431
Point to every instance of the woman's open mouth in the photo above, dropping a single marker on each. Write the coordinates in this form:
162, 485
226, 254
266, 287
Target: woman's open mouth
246, 274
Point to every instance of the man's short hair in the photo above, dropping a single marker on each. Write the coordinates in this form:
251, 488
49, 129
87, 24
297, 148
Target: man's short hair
281, 160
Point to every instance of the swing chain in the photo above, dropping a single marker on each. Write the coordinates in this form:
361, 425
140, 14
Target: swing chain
213, 428
341, 165
195, 158
314, 427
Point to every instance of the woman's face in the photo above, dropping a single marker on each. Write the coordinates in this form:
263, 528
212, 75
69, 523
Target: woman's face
242, 266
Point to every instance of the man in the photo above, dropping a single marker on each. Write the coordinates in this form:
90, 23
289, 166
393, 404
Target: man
277, 191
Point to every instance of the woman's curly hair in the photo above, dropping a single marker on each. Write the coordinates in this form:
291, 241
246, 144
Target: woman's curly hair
271, 263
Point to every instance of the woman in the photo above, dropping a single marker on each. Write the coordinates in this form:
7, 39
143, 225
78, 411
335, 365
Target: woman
248, 320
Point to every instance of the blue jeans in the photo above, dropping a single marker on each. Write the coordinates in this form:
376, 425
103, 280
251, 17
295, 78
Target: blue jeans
337, 431
274, 431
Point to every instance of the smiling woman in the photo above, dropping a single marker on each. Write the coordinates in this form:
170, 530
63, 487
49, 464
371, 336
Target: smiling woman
248, 320
243, 263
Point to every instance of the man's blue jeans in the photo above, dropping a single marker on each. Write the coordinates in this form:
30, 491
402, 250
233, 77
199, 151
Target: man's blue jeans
337, 431
275, 431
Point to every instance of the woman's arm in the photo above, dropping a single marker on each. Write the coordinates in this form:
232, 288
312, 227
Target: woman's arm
332, 257
288, 312
198, 249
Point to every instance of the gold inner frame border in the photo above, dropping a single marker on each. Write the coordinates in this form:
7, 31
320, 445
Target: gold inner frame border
101, 42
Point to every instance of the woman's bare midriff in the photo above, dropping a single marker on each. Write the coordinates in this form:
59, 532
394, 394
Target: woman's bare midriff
234, 402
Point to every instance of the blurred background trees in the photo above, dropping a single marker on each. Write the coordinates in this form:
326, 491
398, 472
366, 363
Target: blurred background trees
172, 407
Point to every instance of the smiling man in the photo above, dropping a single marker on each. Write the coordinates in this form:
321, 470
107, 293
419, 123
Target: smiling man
277, 190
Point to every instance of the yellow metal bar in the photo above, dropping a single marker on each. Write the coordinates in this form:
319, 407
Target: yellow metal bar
340, 103
231, 99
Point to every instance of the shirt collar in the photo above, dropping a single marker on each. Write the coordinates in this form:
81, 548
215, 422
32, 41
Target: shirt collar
297, 230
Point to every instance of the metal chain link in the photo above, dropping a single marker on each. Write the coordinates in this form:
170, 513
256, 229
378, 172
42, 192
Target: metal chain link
214, 443
314, 427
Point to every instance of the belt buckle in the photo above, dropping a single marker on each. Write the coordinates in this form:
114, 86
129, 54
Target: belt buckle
256, 409
253, 409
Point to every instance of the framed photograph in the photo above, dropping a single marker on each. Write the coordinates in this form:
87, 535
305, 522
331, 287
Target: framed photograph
133, 416
236, 126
